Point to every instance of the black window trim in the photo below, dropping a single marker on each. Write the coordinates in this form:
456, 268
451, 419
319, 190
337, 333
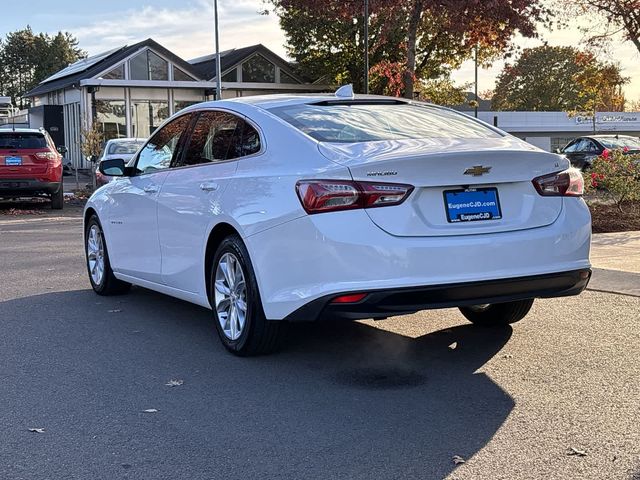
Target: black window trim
223, 110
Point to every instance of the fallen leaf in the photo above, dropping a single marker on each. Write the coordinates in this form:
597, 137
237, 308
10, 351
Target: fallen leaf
150, 410
174, 383
37, 430
117, 310
575, 451
457, 459
453, 345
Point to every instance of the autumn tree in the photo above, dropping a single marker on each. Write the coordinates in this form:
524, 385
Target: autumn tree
559, 79
619, 17
410, 40
27, 58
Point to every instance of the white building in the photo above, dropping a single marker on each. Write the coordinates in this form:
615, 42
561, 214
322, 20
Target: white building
552, 130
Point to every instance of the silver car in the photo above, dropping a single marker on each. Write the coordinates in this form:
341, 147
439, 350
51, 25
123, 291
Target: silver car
123, 148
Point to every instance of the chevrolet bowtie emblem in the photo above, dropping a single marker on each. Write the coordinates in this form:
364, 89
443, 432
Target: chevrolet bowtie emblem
477, 170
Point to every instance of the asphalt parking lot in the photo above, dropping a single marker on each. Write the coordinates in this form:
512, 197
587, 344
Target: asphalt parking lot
398, 398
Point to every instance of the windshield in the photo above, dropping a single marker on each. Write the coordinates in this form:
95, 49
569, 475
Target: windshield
22, 141
631, 143
366, 122
124, 148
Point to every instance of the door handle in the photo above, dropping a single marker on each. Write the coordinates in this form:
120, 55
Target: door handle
208, 186
151, 189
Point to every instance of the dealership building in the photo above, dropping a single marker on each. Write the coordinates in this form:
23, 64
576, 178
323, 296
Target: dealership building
129, 91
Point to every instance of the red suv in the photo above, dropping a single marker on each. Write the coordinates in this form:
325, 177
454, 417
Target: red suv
30, 165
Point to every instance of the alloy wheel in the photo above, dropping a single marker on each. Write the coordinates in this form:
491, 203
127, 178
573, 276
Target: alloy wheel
95, 254
230, 295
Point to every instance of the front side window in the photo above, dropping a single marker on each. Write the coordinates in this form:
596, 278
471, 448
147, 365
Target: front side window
215, 138
161, 148
258, 69
345, 122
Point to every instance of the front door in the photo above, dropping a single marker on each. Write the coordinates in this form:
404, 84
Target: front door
132, 239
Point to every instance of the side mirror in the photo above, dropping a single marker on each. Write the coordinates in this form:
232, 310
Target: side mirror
62, 150
558, 150
114, 167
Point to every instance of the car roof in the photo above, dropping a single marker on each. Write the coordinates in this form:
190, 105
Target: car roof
125, 140
280, 100
21, 130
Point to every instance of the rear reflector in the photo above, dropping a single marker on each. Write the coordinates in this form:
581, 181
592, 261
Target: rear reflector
568, 183
319, 196
351, 298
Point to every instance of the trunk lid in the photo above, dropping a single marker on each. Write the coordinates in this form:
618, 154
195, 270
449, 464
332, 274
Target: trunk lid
435, 166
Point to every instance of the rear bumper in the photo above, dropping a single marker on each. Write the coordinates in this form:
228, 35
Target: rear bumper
400, 301
22, 187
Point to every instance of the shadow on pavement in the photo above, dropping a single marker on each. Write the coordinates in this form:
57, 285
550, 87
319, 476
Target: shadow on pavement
344, 400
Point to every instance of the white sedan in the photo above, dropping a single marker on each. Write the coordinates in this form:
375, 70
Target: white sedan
275, 209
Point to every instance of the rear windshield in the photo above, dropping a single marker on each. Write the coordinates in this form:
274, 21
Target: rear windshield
621, 142
22, 141
350, 123
124, 148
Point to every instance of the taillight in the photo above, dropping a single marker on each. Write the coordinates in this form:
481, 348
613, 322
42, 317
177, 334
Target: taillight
319, 196
568, 183
46, 155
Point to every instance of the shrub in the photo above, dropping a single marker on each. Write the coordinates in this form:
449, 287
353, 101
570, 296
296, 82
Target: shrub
618, 174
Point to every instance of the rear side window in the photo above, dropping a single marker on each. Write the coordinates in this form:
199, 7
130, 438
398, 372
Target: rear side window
220, 136
22, 141
358, 122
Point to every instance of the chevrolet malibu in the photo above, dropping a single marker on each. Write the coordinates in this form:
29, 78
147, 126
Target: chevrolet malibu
276, 209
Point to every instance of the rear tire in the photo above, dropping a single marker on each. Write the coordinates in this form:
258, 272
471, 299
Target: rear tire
101, 276
497, 314
57, 199
237, 308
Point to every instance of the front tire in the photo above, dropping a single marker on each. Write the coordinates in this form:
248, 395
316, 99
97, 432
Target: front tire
101, 275
497, 314
237, 308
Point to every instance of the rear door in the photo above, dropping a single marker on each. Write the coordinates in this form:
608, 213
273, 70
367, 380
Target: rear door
189, 201
24, 155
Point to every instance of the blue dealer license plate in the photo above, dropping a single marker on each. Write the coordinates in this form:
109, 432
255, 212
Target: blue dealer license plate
472, 205
12, 161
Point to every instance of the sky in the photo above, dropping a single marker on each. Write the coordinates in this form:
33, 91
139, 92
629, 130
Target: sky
186, 28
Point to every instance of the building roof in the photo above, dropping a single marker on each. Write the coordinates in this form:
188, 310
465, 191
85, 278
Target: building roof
92, 66
206, 66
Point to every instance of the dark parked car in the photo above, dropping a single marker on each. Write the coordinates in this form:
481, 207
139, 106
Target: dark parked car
583, 150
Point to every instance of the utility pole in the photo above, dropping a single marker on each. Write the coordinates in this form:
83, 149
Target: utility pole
475, 83
218, 70
366, 46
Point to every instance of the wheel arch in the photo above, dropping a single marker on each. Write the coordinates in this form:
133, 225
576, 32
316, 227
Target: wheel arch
218, 233
88, 213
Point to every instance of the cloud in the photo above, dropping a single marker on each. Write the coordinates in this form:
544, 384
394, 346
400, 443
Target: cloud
187, 31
